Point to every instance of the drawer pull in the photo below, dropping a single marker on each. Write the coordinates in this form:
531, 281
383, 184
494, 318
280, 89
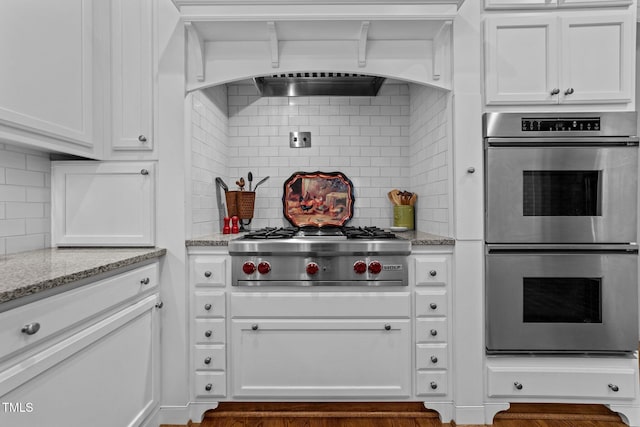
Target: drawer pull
433, 273
433, 306
434, 385
31, 328
208, 387
254, 327
207, 360
207, 274
614, 387
142, 138
144, 172
433, 332
387, 327
207, 307
434, 359
208, 333
517, 385
145, 281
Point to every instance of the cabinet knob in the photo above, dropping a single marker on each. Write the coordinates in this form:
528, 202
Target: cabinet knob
208, 387
434, 385
145, 281
434, 359
471, 169
142, 138
433, 306
160, 304
517, 385
555, 91
387, 327
613, 387
568, 91
208, 334
207, 307
207, 360
254, 327
31, 328
144, 172
207, 274
433, 273
433, 332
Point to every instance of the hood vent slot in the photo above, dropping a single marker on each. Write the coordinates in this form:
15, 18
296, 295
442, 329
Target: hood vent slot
318, 84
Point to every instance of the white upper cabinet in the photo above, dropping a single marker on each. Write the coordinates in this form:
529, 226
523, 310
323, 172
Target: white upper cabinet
52, 74
579, 58
544, 4
131, 76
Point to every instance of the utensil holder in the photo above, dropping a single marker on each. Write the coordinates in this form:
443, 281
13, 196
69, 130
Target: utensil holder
240, 203
403, 216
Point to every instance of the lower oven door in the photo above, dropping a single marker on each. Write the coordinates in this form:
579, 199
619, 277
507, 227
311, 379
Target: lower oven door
558, 302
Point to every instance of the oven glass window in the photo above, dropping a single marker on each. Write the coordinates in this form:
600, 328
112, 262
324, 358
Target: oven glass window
562, 193
562, 300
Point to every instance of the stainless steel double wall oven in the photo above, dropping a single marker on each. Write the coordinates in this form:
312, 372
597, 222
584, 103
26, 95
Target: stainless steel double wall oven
561, 228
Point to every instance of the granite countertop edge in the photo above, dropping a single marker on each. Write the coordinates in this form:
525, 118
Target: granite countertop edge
87, 271
418, 238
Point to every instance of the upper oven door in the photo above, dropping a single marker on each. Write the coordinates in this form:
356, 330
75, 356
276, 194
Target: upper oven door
568, 194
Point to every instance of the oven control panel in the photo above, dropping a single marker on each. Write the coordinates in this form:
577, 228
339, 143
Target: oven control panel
559, 125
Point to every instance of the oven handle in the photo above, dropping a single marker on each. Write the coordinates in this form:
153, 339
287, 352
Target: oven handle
629, 248
564, 141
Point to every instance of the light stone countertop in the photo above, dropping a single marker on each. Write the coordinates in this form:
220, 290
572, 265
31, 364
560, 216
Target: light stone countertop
418, 238
28, 273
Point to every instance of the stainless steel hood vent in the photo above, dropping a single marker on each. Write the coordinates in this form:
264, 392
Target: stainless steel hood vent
318, 84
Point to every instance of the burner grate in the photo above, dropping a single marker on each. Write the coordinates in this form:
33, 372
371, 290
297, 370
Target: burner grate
271, 233
367, 233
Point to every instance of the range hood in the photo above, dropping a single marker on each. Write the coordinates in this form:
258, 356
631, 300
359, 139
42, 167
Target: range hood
318, 84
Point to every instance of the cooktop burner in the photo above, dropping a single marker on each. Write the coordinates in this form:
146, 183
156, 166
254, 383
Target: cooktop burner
338, 233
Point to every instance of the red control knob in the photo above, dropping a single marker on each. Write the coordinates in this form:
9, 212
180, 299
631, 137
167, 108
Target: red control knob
375, 267
264, 267
249, 267
360, 267
312, 268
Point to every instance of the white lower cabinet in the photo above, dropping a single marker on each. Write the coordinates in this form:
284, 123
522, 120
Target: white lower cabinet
102, 372
292, 358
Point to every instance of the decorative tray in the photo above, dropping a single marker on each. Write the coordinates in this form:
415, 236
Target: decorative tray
318, 199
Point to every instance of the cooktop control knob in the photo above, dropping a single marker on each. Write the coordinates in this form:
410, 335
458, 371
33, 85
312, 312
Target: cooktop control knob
248, 267
375, 267
264, 267
312, 268
360, 267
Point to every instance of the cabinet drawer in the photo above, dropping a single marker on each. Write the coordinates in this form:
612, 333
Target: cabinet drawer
209, 331
432, 383
208, 270
561, 382
209, 304
54, 314
210, 358
431, 330
431, 356
432, 271
210, 384
432, 303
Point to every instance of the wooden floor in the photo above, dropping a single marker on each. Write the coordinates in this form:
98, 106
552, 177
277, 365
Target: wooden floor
236, 414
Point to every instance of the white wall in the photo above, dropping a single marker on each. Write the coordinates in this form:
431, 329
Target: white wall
25, 199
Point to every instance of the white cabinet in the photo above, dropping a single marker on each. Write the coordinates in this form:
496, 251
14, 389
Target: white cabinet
572, 59
103, 204
100, 357
131, 76
551, 4
52, 76
292, 358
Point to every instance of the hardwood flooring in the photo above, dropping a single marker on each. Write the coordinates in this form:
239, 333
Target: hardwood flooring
238, 414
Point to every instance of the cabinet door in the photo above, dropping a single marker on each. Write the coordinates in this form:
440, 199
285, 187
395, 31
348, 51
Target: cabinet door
321, 358
521, 60
593, 3
597, 58
520, 4
105, 375
46, 83
103, 204
132, 75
